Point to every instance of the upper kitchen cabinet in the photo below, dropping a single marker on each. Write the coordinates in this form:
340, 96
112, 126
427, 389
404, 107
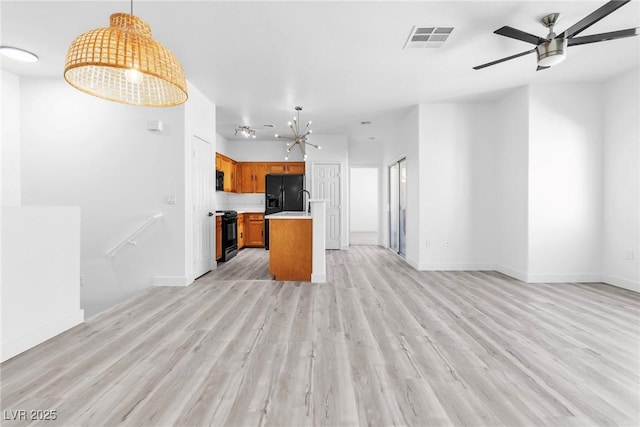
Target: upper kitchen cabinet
229, 167
252, 177
286, 168
248, 177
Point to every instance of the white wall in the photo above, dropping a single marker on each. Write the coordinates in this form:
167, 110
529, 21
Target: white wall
364, 199
511, 183
40, 275
621, 167
404, 142
85, 151
456, 187
10, 139
565, 182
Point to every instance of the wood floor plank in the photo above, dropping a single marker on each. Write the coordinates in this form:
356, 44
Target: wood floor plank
378, 344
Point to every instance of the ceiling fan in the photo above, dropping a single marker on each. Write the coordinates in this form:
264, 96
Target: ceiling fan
553, 49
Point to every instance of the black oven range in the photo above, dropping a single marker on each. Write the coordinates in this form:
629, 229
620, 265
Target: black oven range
229, 234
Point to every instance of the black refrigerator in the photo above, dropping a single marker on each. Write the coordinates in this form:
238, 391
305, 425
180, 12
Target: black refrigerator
282, 193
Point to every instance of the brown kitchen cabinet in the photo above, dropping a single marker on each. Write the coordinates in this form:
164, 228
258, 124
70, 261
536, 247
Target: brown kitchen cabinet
254, 230
229, 167
252, 177
248, 177
241, 232
286, 168
296, 168
218, 237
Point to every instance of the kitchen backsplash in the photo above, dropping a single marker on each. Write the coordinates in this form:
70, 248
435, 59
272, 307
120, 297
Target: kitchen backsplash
236, 201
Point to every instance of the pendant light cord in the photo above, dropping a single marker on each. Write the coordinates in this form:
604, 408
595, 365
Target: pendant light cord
131, 7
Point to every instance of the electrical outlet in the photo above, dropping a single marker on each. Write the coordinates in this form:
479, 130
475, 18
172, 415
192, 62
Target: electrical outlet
630, 255
428, 243
445, 243
81, 280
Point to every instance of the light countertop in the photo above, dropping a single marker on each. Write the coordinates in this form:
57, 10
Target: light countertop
289, 215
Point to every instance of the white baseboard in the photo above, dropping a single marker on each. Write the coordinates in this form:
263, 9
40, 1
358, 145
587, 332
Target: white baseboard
412, 262
457, 267
564, 278
511, 272
171, 281
318, 278
621, 282
49, 330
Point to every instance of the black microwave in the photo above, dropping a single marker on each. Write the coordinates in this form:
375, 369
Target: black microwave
219, 181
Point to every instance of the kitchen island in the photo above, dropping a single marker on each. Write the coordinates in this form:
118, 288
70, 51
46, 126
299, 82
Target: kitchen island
297, 244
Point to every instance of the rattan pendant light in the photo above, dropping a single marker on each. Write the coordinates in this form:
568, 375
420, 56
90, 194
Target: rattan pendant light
123, 63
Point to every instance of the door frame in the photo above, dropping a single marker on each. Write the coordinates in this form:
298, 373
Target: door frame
344, 240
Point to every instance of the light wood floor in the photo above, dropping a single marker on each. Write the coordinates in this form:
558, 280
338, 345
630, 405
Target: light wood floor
379, 344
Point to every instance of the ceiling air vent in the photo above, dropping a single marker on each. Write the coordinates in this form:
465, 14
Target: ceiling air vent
423, 36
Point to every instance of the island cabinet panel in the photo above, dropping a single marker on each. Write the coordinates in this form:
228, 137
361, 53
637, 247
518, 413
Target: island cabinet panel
218, 237
290, 249
254, 230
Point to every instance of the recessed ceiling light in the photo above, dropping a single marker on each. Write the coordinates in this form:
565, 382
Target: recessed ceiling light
372, 138
365, 123
18, 54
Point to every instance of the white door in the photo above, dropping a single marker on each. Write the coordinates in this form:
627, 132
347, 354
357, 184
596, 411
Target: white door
326, 185
203, 191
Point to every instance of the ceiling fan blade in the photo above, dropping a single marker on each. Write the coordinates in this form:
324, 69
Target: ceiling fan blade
603, 37
593, 17
514, 33
488, 64
540, 67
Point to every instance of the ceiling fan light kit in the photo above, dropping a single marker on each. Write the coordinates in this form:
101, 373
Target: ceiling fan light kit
552, 50
123, 63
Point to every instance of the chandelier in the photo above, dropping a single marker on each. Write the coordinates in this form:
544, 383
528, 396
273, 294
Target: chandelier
301, 139
246, 131
123, 63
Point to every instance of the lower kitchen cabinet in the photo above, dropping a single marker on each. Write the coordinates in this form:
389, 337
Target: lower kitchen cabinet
254, 230
241, 231
218, 237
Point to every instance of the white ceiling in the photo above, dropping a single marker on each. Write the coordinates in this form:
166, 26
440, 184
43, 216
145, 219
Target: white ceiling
342, 61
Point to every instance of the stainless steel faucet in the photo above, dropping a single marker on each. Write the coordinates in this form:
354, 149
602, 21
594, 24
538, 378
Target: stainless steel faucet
308, 197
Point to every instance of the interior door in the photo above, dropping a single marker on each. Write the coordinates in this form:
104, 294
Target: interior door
326, 185
202, 199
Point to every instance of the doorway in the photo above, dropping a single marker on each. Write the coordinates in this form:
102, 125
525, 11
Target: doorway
398, 206
363, 206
